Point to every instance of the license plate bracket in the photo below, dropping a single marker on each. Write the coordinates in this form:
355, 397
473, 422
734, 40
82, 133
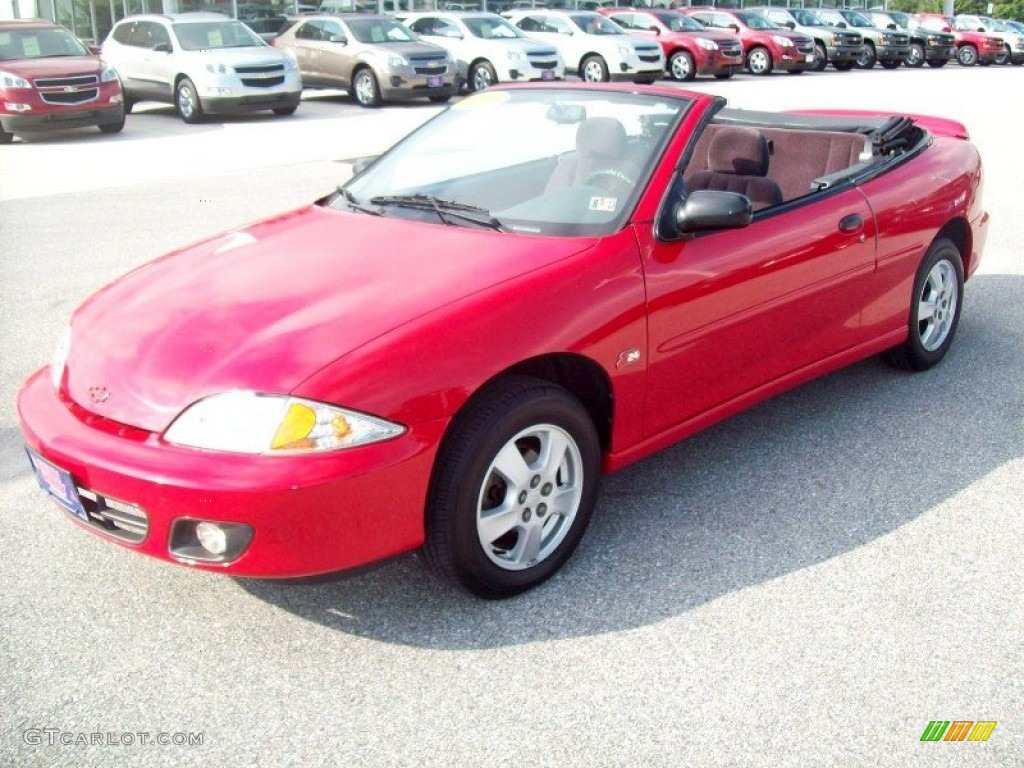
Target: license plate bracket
434, 81
58, 483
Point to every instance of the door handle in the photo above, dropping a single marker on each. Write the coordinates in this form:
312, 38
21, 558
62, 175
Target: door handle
850, 225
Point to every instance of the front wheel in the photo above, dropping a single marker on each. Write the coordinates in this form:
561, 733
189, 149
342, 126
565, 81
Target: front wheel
190, 109
759, 61
891, 64
934, 309
915, 59
681, 66
365, 89
594, 70
513, 489
820, 57
843, 66
1004, 57
5, 137
482, 76
285, 111
967, 55
113, 127
937, 63
867, 57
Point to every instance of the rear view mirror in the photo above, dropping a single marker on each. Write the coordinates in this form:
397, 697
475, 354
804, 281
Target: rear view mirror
566, 114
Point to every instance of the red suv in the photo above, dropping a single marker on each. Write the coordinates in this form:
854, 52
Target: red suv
766, 45
50, 81
971, 47
690, 48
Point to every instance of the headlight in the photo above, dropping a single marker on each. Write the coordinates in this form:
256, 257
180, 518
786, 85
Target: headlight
516, 55
394, 60
7, 80
785, 42
834, 40
217, 69
707, 44
108, 75
247, 422
60, 357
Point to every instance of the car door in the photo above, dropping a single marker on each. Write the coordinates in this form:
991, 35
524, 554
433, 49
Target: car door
731, 311
306, 50
335, 53
158, 63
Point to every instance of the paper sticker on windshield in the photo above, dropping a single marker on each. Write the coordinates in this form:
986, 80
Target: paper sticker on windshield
482, 99
31, 47
603, 204
216, 38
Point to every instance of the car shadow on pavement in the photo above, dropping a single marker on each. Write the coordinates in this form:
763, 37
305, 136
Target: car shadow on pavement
806, 477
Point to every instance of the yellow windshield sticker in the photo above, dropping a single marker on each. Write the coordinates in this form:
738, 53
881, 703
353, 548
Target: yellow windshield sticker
31, 46
216, 38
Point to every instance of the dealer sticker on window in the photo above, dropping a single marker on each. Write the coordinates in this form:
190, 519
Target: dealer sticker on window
604, 204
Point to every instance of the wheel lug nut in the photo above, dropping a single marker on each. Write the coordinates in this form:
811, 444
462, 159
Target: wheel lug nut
522, 497
542, 509
535, 481
527, 514
546, 489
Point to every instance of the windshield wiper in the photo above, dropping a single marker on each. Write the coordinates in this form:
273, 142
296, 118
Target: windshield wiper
354, 203
445, 209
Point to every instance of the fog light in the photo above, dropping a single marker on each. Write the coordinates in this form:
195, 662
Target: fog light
16, 107
212, 538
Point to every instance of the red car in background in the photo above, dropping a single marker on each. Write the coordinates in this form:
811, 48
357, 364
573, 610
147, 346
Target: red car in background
450, 350
50, 81
766, 45
690, 48
971, 47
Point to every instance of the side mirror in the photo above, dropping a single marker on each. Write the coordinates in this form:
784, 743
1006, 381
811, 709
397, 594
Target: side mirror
891, 26
735, 28
162, 47
789, 24
706, 209
337, 39
841, 24
654, 29
980, 29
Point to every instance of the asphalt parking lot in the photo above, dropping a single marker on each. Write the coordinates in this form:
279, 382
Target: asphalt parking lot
809, 583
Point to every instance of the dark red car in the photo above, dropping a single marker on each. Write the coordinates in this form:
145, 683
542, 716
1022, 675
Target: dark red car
449, 351
971, 47
690, 48
766, 45
50, 81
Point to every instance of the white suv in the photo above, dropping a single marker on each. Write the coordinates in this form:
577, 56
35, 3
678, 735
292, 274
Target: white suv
487, 48
203, 63
593, 46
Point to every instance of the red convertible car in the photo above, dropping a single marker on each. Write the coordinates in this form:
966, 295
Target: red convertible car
539, 285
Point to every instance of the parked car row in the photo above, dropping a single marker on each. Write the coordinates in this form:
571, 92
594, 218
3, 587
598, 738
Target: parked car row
208, 63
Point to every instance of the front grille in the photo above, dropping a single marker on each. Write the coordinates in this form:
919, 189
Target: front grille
114, 518
897, 40
848, 39
61, 82
543, 64
261, 70
264, 82
804, 45
994, 45
69, 97
651, 58
730, 49
429, 65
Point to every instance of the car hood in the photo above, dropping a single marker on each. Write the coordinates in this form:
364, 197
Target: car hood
237, 57
265, 307
412, 48
58, 66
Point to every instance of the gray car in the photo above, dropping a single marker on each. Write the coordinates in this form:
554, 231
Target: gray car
376, 58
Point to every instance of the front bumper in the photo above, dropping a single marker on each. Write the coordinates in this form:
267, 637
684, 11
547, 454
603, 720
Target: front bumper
310, 514
843, 53
892, 53
402, 87
791, 61
940, 53
716, 63
250, 102
60, 120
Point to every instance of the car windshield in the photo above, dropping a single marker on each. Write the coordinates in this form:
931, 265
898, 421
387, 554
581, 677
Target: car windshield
533, 160
883, 20
901, 19
756, 21
677, 22
855, 19
208, 35
379, 31
490, 28
594, 24
806, 18
38, 43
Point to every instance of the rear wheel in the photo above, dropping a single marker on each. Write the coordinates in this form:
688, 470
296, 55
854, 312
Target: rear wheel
113, 127
513, 489
915, 58
5, 137
723, 76
594, 70
967, 55
129, 103
482, 76
843, 66
365, 88
820, 57
285, 111
867, 57
440, 99
934, 309
759, 61
937, 63
190, 109
681, 66
891, 64
1004, 57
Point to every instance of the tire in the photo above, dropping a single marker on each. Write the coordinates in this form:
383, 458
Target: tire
868, 57
594, 70
285, 111
891, 64
915, 59
938, 290
759, 61
681, 66
440, 99
967, 55
113, 127
937, 63
365, 90
723, 76
820, 57
796, 71
482, 76
1004, 57
186, 100
843, 66
128, 101
5, 137
494, 536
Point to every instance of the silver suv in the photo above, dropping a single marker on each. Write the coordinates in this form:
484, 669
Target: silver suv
486, 48
203, 63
